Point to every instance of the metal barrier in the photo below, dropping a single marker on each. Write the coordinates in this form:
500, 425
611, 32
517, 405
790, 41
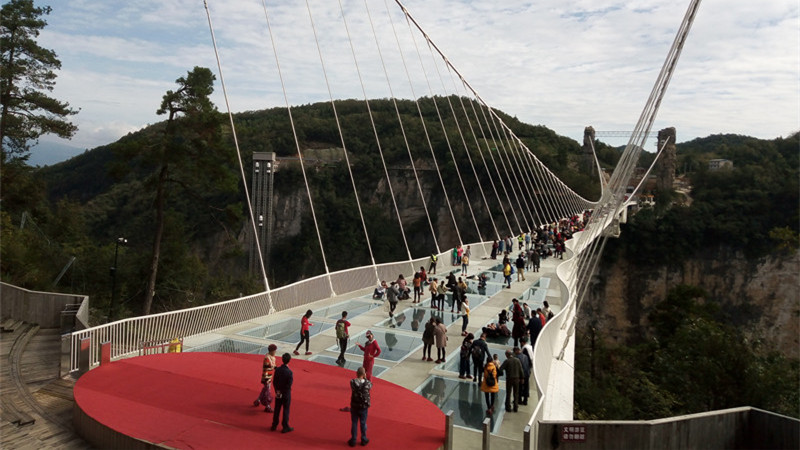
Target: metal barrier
127, 335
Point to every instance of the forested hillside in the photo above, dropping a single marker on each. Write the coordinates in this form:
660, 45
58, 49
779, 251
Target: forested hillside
696, 307
80, 207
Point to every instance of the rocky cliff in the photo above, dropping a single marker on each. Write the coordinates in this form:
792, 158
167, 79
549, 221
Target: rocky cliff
761, 296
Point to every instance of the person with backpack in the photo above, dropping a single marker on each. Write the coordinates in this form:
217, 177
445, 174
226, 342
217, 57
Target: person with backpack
359, 405
342, 336
464, 355
480, 352
490, 386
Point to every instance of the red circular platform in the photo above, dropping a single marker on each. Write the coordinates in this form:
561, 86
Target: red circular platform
205, 401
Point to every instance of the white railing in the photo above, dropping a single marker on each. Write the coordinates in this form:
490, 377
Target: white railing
125, 335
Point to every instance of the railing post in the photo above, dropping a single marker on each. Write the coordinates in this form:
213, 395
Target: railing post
84, 358
487, 432
526, 438
448, 430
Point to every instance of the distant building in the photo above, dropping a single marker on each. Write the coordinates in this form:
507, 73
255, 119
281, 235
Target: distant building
717, 164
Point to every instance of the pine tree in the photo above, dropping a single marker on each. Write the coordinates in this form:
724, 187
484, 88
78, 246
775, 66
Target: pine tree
26, 75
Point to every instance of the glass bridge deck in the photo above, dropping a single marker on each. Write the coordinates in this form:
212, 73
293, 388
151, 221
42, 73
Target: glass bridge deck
465, 399
354, 307
353, 363
394, 346
285, 331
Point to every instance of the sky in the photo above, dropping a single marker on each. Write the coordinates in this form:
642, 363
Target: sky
564, 64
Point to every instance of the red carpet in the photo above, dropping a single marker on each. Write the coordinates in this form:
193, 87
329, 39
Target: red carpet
205, 401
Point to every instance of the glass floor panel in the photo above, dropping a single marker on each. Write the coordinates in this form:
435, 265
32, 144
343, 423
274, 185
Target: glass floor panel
414, 319
230, 346
351, 364
465, 399
286, 330
394, 346
493, 276
354, 308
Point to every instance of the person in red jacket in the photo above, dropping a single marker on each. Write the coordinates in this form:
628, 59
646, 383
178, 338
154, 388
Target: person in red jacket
304, 333
371, 351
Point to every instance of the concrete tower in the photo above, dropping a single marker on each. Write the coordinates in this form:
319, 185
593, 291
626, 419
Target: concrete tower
665, 172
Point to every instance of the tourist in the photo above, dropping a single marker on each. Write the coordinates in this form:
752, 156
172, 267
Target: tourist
480, 352
359, 404
380, 291
489, 385
464, 265
534, 327
268, 370
434, 289
524, 388
548, 314
342, 336
465, 317
440, 336
402, 288
442, 290
283, 380
371, 351
392, 295
417, 287
427, 339
527, 310
520, 267
464, 357
512, 369
507, 274
304, 332
494, 249
518, 318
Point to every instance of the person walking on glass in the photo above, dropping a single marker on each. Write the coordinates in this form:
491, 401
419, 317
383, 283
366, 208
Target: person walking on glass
304, 332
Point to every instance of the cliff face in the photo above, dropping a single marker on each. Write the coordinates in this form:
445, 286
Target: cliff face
762, 296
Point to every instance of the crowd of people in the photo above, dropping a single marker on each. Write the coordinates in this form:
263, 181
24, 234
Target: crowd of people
476, 362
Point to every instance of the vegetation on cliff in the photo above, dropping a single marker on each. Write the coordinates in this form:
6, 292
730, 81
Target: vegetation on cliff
695, 355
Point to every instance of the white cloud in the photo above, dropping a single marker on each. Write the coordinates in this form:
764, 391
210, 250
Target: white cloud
563, 64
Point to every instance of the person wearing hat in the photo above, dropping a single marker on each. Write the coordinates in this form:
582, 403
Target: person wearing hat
371, 351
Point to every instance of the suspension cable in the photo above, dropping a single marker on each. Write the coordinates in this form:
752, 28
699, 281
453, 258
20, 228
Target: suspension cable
375, 131
297, 145
239, 157
344, 146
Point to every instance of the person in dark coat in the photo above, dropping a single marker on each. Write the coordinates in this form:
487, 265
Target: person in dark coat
524, 387
282, 381
534, 327
480, 351
518, 318
512, 369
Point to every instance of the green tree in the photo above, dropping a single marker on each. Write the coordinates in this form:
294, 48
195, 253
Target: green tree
26, 74
188, 154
